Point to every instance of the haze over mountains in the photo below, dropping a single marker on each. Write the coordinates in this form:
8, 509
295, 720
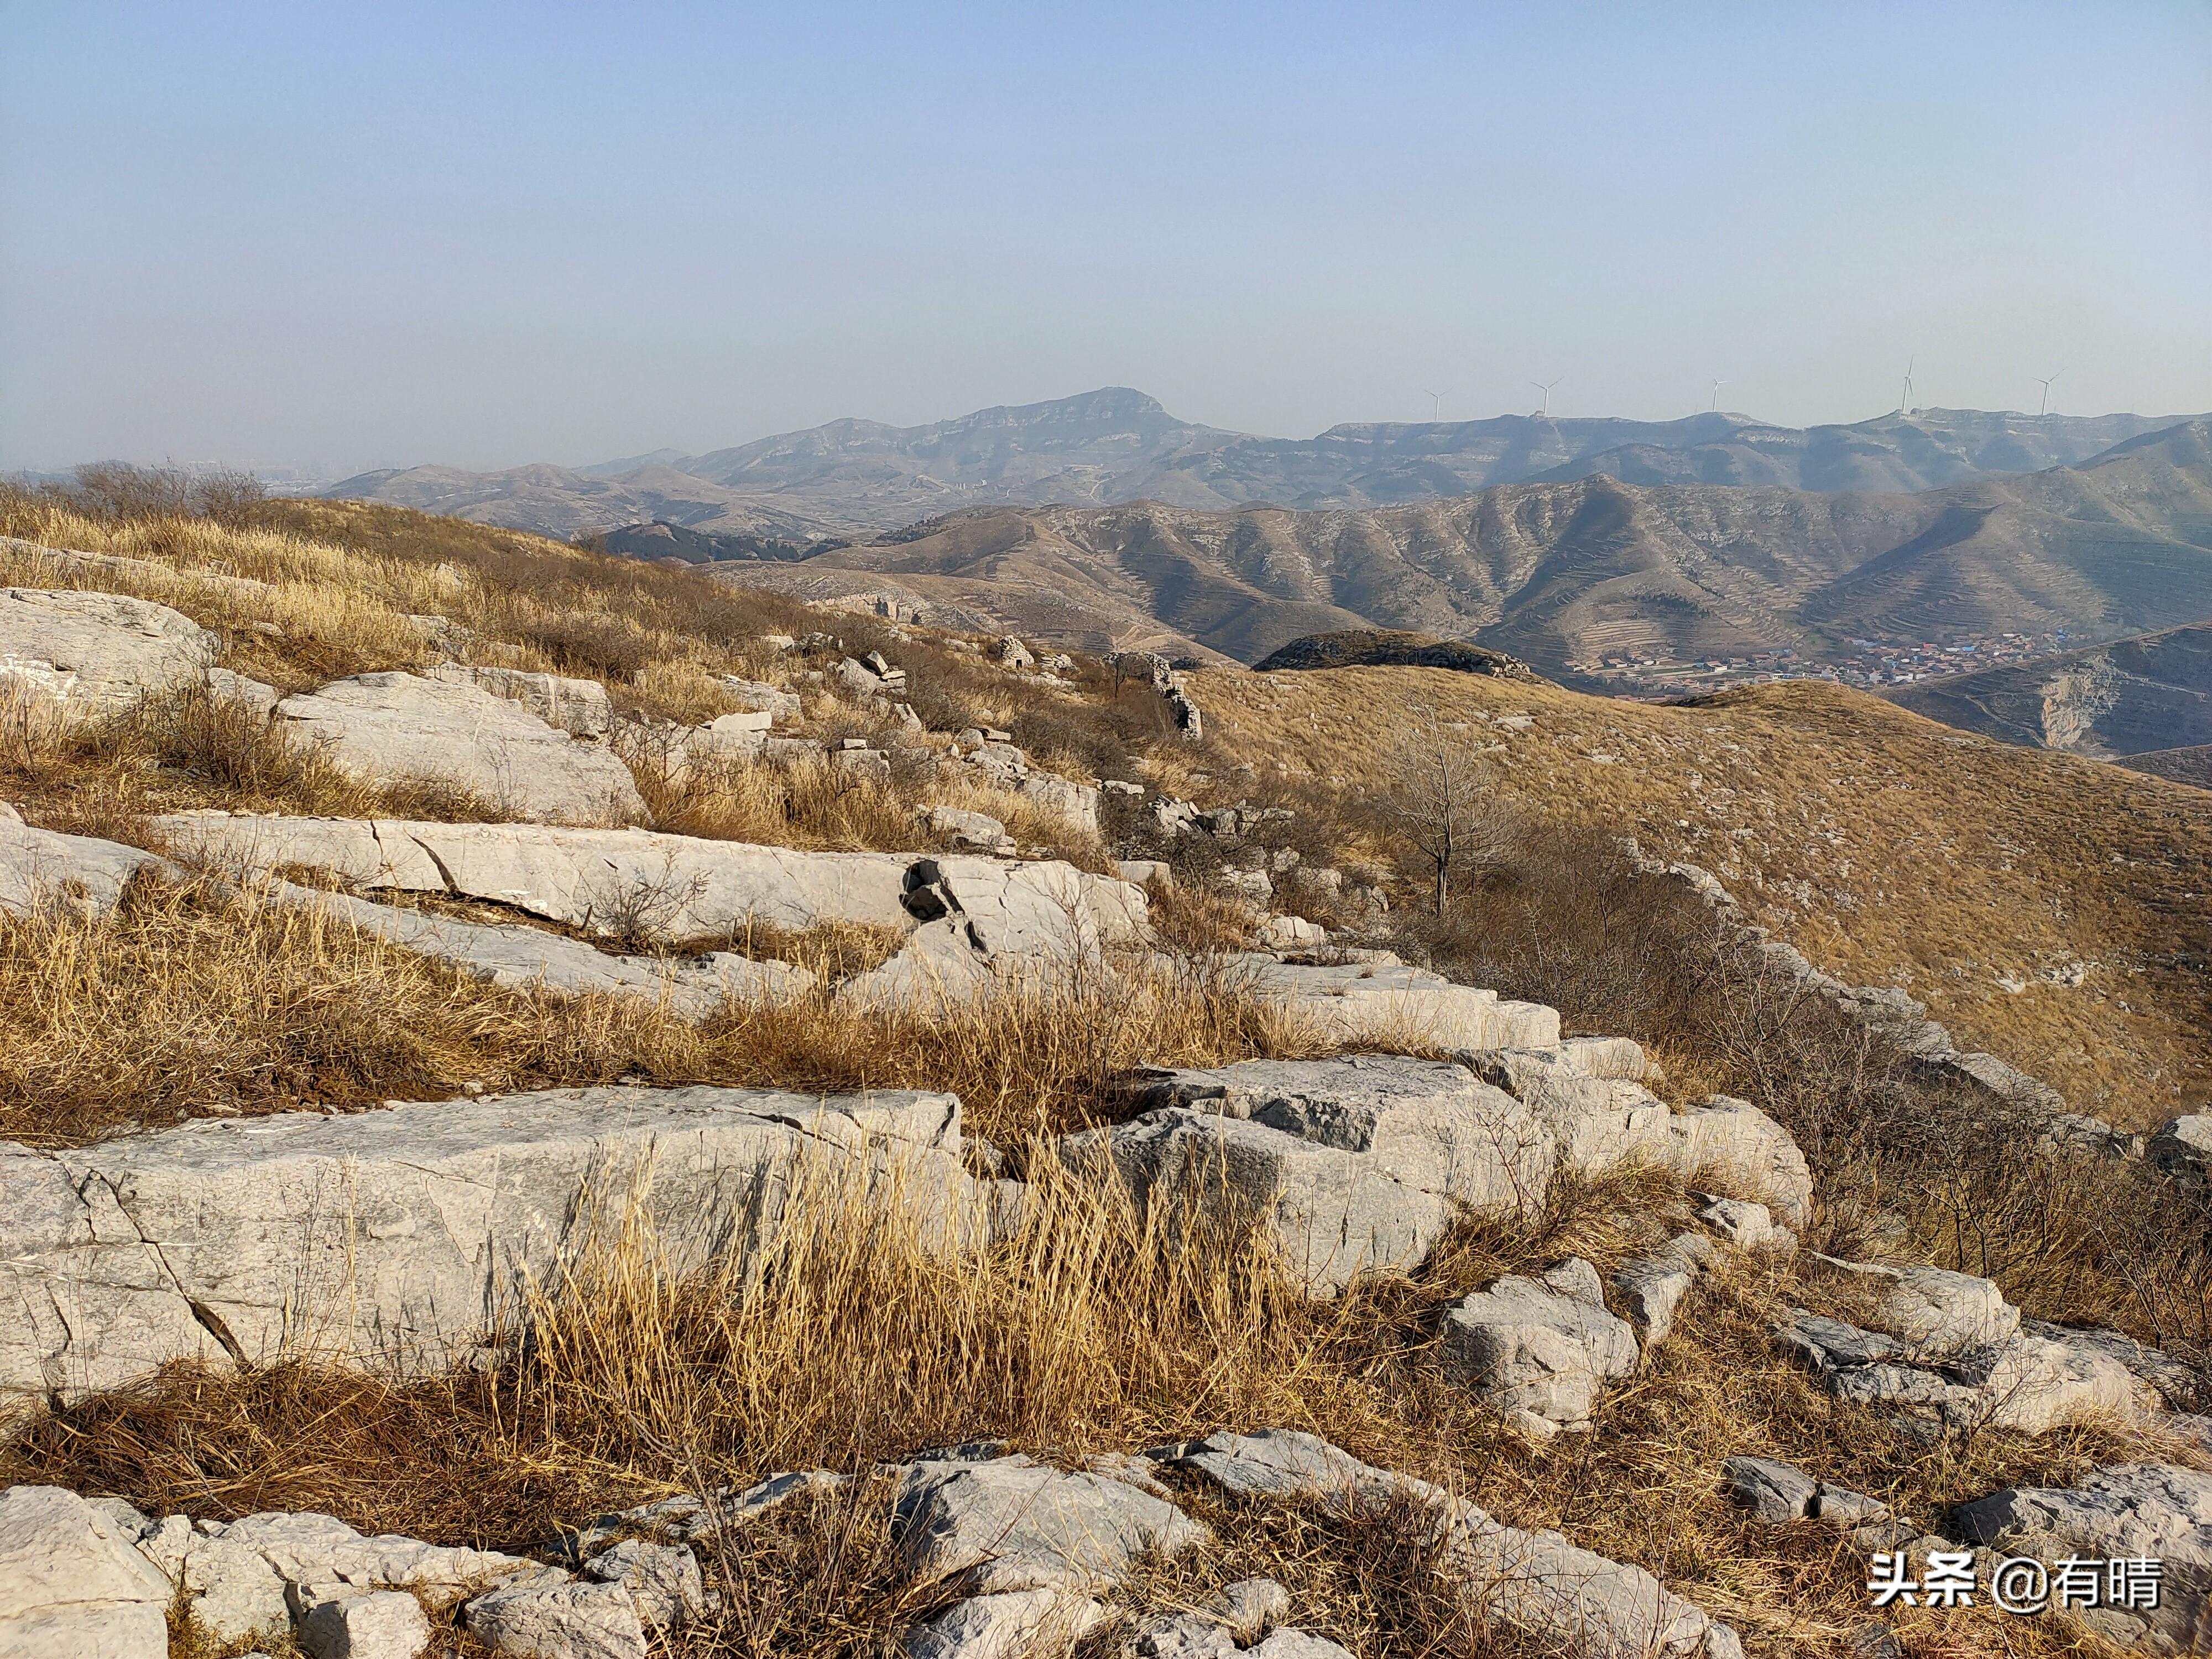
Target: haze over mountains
1567, 573
855, 477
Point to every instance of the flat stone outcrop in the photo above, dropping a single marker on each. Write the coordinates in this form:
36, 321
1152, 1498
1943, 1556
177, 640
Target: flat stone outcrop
1011, 1625
1652, 1286
1777, 1492
1955, 1359
1385, 1000
1602, 1118
1009, 1524
581, 707
672, 888
41, 869
78, 654
1545, 1346
396, 728
2139, 1512
527, 958
1537, 1585
399, 1238
72, 1586
974, 921
1354, 1164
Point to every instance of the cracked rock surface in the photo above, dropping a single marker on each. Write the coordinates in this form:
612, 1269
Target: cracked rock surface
396, 1236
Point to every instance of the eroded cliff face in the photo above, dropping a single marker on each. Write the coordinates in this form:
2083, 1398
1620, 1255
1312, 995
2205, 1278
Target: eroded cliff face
2075, 699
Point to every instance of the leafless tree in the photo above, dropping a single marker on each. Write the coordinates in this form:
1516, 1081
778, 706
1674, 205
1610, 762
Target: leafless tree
1441, 800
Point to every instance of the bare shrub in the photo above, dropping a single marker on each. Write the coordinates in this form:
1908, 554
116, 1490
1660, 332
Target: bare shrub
116, 489
1442, 802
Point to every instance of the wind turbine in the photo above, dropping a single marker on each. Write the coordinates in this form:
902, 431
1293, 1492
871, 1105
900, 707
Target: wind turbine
2045, 381
1904, 398
1715, 402
1544, 386
1439, 398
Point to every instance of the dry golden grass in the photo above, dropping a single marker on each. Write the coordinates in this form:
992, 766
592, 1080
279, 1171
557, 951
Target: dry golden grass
1892, 850
847, 1339
195, 1001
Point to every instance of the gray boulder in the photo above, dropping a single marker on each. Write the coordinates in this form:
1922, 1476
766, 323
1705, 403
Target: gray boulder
42, 868
257, 699
1934, 1313
1734, 1136
2027, 1383
672, 888
1012, 1524
1546, 1345
84, 654
1746, 1224
580, 707
344, 1623
664, 1580
1010, 1625
396, 1238
72, 1584
230, 1590
1777, 1492
762, 697
1537, 1585
395, 729
978, 830
1075, 805
988, 922
316, 1553
576, 1620
1355, 1164
2138, 1511
1773, 1491
1651, 1286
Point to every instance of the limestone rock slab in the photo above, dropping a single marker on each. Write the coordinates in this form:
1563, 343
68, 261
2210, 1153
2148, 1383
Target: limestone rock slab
579, 707
674, 889
2136, 1511
394, 1238
1368, 1001
530, 957
41, 868
1355, 1164
398, 728
84, 654
1012, 1524
1536, 1583
72, 1584
1546, 1345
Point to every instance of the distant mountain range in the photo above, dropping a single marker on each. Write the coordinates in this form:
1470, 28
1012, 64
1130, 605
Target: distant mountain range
1560, 573
855, 478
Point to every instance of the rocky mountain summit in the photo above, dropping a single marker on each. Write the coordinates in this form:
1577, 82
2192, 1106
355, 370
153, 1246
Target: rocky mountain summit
563, 1131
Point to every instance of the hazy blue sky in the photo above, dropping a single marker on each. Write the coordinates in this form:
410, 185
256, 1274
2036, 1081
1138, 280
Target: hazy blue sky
342, 236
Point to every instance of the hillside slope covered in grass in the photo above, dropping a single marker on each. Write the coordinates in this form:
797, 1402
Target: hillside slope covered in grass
2051, 909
